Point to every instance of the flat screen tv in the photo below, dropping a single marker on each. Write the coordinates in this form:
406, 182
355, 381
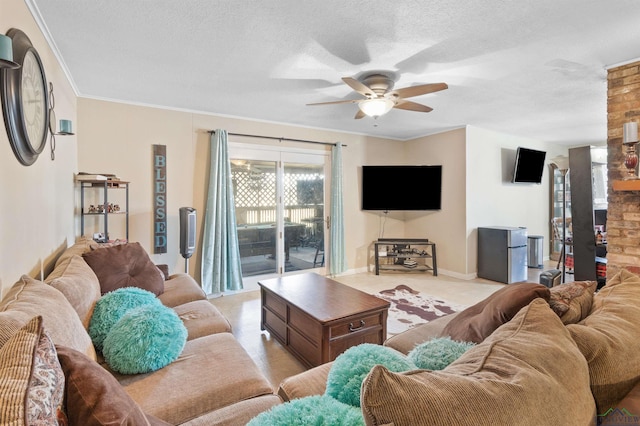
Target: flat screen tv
401, 187
529, 166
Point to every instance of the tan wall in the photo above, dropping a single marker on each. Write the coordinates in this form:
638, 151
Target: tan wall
623, 215
118, 138
36, 207
445, 227
39, 215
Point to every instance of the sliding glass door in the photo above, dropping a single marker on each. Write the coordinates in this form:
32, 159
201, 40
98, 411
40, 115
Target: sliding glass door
280, 210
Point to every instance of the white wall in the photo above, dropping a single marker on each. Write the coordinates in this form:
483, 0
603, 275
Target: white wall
36, 210
492, 200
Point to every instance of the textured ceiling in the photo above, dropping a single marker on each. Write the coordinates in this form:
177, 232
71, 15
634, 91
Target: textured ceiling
529, 68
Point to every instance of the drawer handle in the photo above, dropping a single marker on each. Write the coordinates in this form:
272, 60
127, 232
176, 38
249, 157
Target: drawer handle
352, 328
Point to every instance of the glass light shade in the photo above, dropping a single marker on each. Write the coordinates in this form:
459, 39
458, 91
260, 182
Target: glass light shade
376, 107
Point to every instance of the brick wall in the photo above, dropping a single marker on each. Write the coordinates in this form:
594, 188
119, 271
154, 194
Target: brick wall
623, 216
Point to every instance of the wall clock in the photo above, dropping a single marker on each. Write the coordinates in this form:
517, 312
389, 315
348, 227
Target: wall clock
25, 103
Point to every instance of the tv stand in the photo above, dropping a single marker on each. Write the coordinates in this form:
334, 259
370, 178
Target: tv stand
406, 255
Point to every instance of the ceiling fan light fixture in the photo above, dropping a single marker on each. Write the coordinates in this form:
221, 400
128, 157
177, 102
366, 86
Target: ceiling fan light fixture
376, 107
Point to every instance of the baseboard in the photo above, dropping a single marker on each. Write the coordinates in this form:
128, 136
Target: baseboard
458, 275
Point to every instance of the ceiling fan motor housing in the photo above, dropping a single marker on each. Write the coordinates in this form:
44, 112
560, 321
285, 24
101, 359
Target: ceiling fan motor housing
378, 83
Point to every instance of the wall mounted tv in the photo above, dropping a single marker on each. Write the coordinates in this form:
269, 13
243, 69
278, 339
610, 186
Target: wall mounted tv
529, 166
401, 187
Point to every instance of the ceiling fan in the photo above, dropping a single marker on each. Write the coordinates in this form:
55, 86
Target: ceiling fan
380, 98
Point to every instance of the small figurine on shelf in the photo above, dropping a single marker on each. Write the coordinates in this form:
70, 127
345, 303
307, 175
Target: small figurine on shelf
100, 208
116, 207
92, 209
599, 237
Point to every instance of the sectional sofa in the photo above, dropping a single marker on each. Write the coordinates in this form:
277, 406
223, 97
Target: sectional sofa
213, 381
543, 357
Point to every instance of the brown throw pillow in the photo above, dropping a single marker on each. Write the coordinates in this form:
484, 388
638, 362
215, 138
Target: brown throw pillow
572, 301
93, 396
165, 270
477, 322
126, 265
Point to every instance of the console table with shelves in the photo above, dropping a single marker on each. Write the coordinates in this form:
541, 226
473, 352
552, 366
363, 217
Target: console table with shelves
105, 209
405, 254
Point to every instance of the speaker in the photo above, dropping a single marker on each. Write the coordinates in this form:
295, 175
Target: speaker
187, 231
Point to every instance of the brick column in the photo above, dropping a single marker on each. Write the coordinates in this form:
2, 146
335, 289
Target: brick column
623, 216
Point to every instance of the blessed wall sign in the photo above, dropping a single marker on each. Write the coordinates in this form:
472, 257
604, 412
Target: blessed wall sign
159, 199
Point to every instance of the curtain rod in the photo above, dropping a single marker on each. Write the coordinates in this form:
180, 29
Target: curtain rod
278, 139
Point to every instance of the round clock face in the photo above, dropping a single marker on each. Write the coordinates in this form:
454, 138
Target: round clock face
25, 100
34, 102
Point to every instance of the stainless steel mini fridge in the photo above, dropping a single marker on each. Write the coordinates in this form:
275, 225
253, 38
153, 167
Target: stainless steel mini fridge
502, 254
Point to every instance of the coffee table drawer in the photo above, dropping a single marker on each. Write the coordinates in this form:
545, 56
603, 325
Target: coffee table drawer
305, 325
275, 304
308, 351
276, 325
356, 325
341, 344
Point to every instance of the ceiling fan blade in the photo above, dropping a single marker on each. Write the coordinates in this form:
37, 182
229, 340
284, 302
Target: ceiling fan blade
359, 114
358, 87
423, 89
412, 106
348, 101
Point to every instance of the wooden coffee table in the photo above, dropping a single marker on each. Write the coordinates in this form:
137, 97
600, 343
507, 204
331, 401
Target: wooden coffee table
316, 318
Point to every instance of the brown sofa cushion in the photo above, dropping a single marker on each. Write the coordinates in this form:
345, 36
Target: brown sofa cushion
211, 373
609, 338
180, 289
93, 396
630, 403
506, 380
82, 245
477, 322
201, 318
572, 301
126, 265
29, 298
79, 284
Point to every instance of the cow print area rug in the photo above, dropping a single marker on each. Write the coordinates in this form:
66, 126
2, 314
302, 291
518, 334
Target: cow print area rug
410, 308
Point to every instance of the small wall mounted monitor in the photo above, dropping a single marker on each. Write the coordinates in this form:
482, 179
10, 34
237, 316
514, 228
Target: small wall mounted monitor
529, 166
401, 187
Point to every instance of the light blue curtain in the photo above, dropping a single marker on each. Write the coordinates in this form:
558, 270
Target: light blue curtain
221, 268
337, 251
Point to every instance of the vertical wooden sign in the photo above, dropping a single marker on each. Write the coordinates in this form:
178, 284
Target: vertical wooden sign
159, 199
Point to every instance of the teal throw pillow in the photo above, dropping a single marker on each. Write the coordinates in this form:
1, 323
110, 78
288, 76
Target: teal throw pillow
112, 306
145, 339
438, 353
310, 411
351, 367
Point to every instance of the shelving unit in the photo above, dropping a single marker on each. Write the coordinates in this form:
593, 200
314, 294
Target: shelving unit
106, 186
406, 255
559, 180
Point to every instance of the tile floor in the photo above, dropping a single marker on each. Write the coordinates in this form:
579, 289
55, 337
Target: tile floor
243, 311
